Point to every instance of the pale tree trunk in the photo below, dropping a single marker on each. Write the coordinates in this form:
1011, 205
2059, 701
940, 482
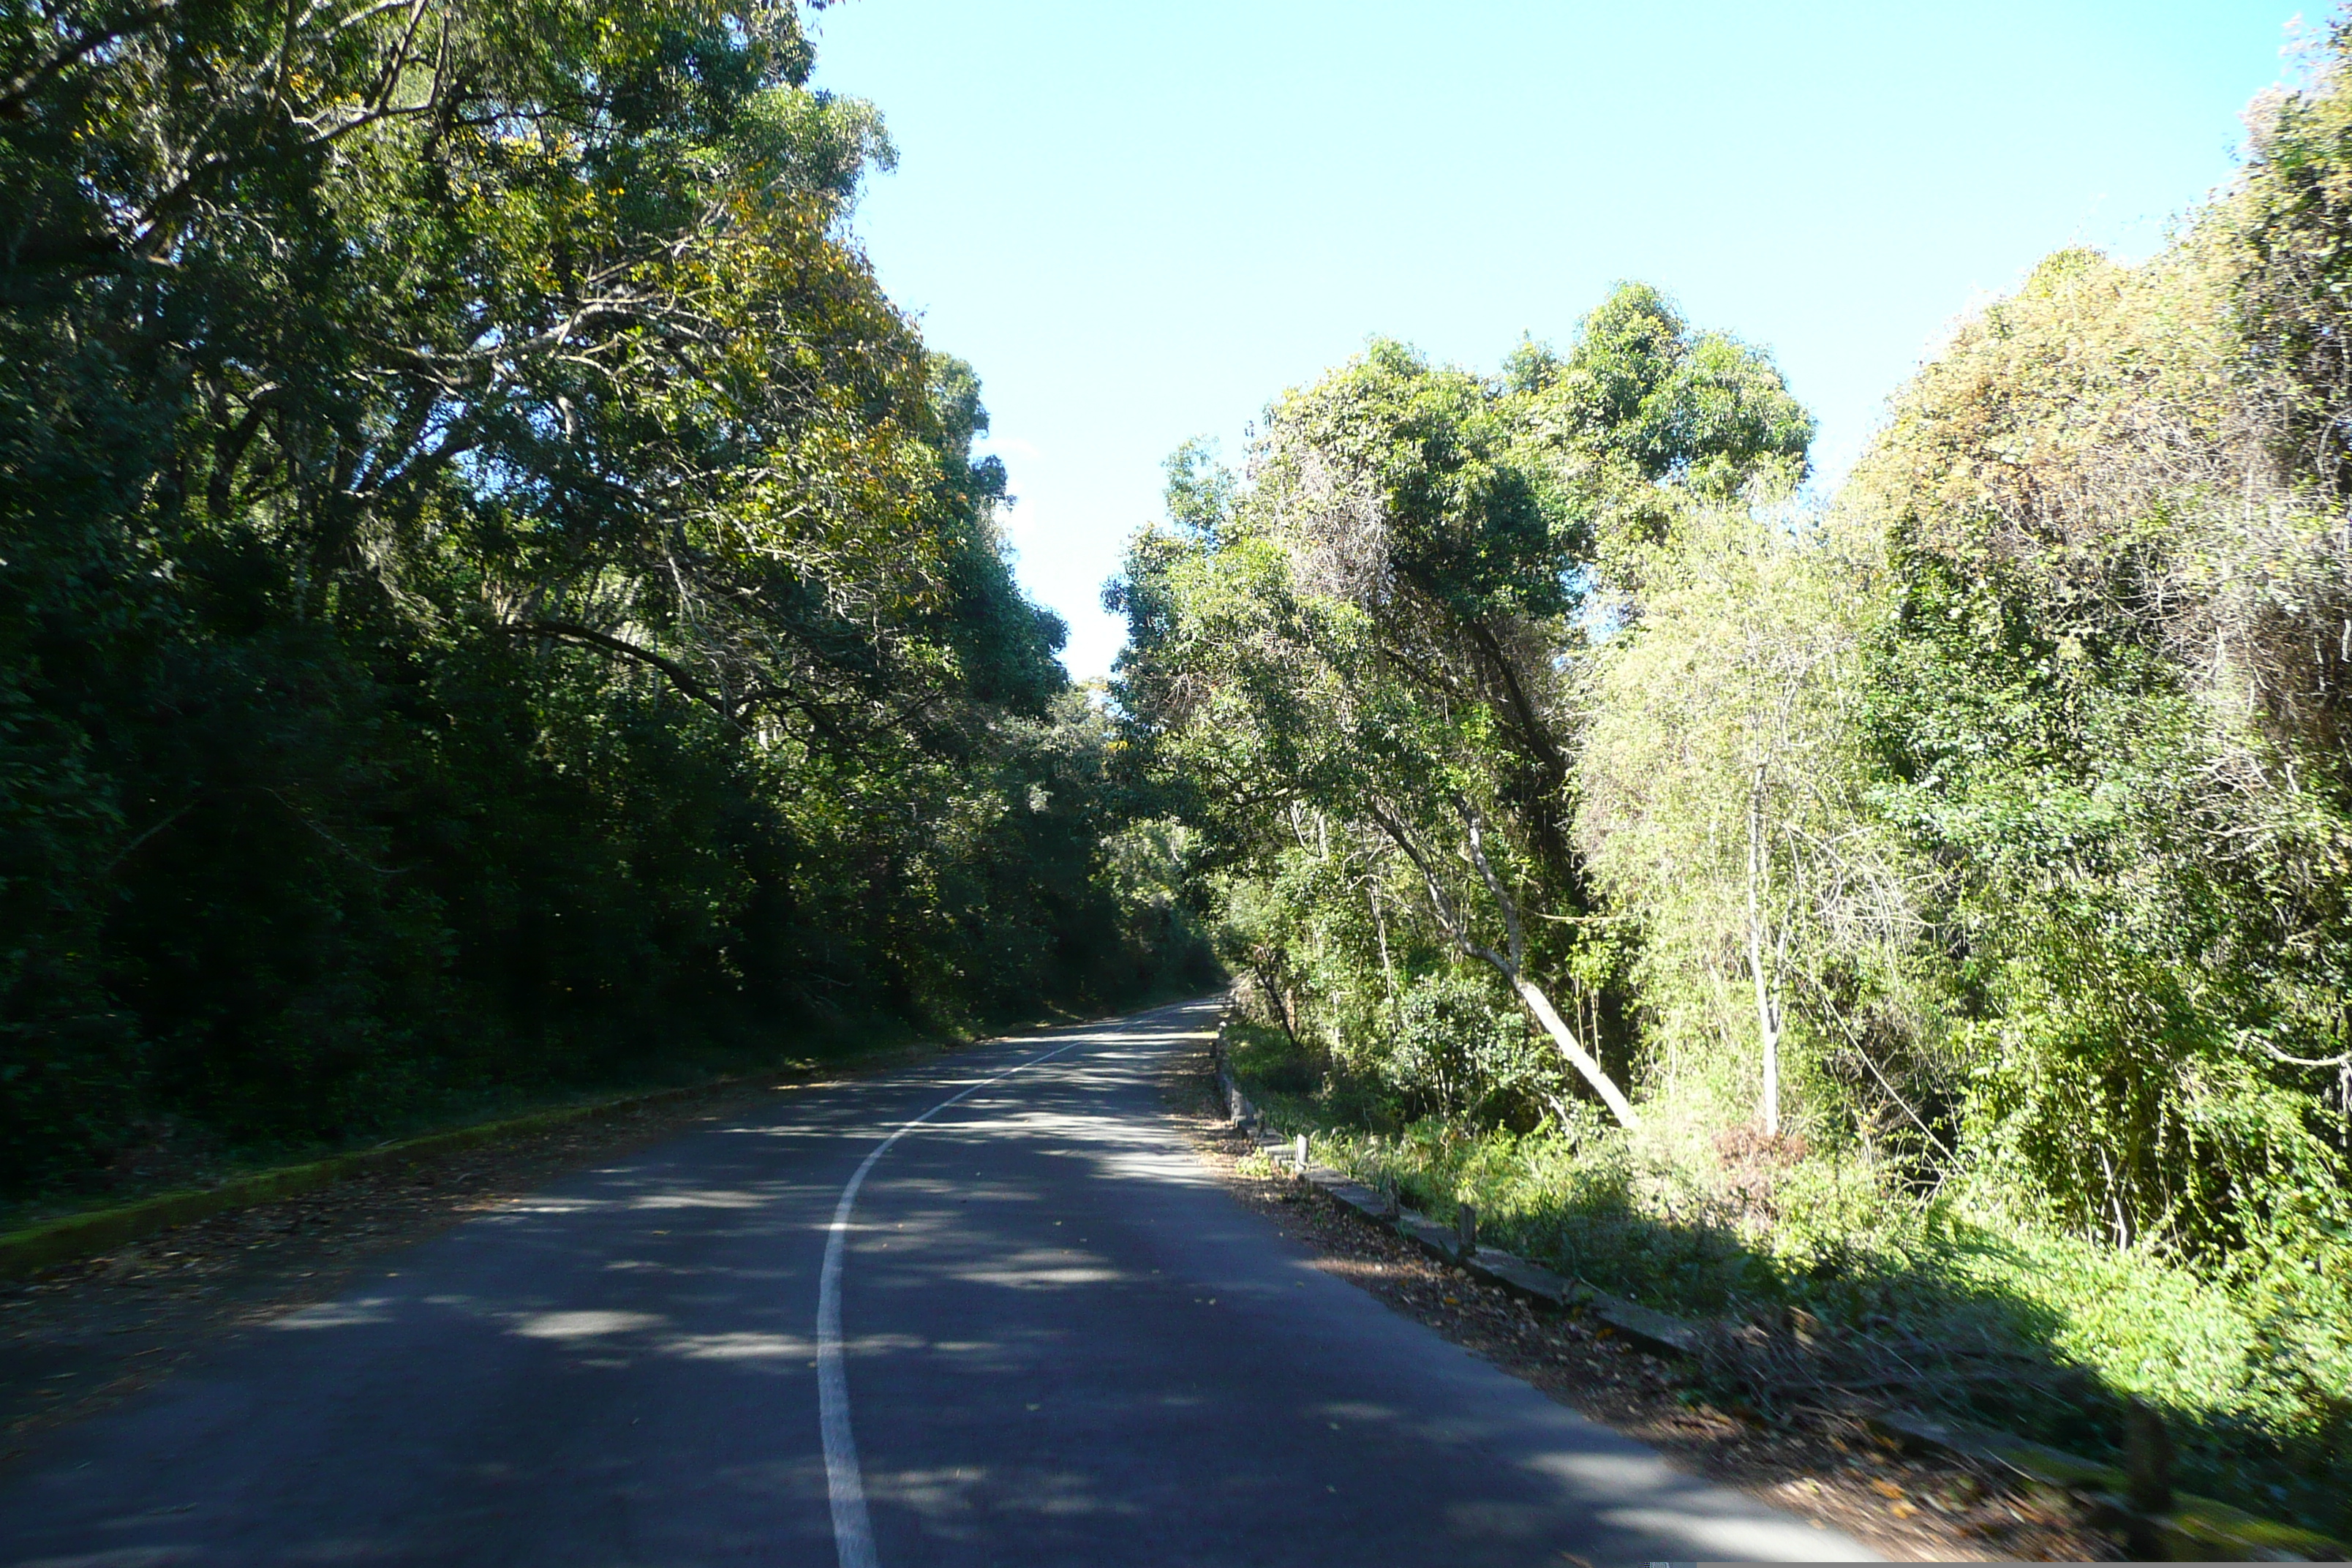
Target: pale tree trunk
1510, 964
1565, 1039
1768, 1002
1388, 969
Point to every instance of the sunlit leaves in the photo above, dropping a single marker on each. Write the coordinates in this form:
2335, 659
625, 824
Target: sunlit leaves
1385, 625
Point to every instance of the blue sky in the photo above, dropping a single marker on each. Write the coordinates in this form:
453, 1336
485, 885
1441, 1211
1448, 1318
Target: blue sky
1141, 222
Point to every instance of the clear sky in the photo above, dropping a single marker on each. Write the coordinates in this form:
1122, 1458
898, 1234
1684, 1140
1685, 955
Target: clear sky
1141, 222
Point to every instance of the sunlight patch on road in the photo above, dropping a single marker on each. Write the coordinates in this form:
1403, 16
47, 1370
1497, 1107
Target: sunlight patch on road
1040, 1269
1060, 1494
585, 1325
1608, 1475
1120, 1150
1019, 1353
952, 1192
701, 1198
1353, 1410
740, 1347
338, 1314
1170, 1167
1661, 1503
1748, 1539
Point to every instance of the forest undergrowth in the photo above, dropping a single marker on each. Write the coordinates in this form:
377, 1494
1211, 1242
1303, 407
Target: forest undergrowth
1818, 1291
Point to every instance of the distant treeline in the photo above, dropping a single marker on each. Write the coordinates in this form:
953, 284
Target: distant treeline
491, 593
1971, 849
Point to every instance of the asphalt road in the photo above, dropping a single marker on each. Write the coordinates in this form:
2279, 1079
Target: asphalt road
1059, 1341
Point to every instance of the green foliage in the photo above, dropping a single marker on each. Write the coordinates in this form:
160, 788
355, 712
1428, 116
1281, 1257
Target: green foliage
1642, 392
2002, 807
1359, 669
1454, 1052
1991, 1322
2106, 705
1727, 802
491, 593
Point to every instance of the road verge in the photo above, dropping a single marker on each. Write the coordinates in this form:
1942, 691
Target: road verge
28, 1249
35, 1247
2191, 1529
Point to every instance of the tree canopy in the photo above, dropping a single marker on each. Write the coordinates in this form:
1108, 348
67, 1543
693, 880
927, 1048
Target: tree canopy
1383, 627
493, 592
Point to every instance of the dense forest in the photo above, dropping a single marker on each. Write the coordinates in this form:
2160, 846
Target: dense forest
493, 598
1914, 922
495, 601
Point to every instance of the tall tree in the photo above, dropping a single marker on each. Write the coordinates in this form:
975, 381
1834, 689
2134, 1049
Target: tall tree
1724, 790
1385, 623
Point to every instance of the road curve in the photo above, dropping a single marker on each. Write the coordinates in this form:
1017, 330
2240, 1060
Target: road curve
1058, 1341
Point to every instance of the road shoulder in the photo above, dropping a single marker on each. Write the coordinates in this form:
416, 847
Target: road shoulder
1836, 1474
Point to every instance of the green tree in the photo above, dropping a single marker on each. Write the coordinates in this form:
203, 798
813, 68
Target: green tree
489, 583
1725, 790
1384, 626
2109, 699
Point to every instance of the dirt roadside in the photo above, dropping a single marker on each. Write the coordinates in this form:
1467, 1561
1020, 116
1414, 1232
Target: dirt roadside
1833, 1473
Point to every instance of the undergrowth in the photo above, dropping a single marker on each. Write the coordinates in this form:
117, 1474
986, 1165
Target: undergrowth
1823, 1281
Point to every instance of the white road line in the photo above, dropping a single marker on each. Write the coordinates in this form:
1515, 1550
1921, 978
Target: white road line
852, 1529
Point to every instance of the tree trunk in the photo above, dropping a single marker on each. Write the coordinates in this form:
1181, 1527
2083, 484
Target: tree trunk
1768, 1025
1388, 969
1565, 1039
1449, 916
1768, 1008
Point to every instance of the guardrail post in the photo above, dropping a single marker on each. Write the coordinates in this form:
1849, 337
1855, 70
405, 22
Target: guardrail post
1298, 1157
1465, 1228
2147, 1459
